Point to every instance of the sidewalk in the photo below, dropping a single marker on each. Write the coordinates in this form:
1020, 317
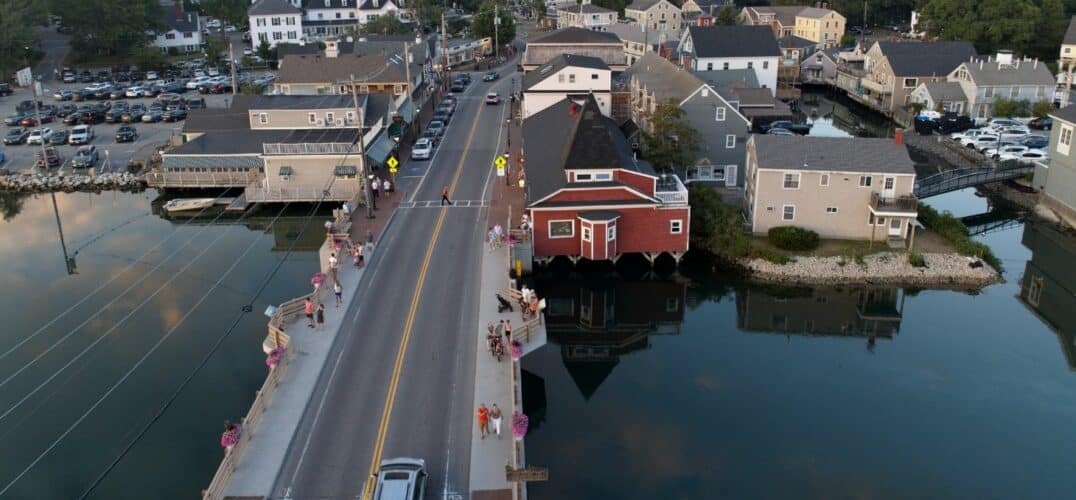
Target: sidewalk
263, 457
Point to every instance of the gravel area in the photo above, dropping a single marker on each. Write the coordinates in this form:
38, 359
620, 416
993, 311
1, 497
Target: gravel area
943, 269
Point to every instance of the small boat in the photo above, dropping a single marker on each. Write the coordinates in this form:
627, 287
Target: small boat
185, 204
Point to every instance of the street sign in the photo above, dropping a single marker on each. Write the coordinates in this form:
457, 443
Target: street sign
500, 162
392, 162
24, 77
528, 474
500, 171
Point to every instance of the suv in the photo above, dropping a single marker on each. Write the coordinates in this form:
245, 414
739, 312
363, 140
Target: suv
436, 127
422, 149
401, 479
51, 158
81, 134
86, 157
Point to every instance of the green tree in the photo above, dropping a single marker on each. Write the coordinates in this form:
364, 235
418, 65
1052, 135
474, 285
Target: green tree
728, 16
989, 24
149, 58
428, 13
232, 12
266, 52
110, 27
617, 5
672, 141
1049, 31
1041, 109
537, 8
215, 52
482, 24
18, 21
1009, 108
385, 25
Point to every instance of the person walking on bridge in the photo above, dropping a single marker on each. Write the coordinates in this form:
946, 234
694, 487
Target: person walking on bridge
444, 197
308, 309
483, 420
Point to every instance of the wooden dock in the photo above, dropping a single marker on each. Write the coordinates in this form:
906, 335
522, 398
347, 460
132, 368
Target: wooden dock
237, 204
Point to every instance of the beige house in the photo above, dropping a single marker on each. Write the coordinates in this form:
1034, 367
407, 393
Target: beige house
378, 66
587, 16
637, 41
822, 26
841, 188
656, 16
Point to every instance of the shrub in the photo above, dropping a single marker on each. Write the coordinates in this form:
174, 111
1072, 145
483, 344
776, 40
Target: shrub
917, 260
952, 229
793, 238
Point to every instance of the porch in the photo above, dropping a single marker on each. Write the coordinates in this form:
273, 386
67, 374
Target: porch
893, 219
670, 190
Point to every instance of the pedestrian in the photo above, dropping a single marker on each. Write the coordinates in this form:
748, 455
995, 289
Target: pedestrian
355, 255
495, 416
375, 186
369, 237
359, 259
491, 240
483, 420
444, 196
386, 186
508, 331
498, 232
334, 263
321, 316
339, 291
500, 328
308, 308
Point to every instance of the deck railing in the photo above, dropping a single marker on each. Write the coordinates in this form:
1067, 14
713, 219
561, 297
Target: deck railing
257, 193
904, 203
309, 148
163, 178
671, 191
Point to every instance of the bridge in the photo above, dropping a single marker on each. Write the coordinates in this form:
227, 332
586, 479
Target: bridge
994, 220
953, 180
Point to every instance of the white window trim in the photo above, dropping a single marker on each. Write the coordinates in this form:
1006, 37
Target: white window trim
263, 118
312, 118
783, 219
610, 232
719, 115
823, 180
1063, 145
549, 229
868, 185
798, 179
676, 226
730, 141
603, 176
587, 233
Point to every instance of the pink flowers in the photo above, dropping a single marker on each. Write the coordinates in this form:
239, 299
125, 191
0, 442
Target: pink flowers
519, 425
274, 357
515, 349
317, 279
232, 431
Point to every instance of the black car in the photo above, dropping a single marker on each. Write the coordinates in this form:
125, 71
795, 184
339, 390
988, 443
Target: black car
5, 89
13, 120
796, 128
92, 118
85, 77
220, 88
126, 133
133, 115
16, 136
74, 118
174, 115
457, 86
951, 124
58, 138
103, 94
26, 106
115, 115
441, 115
1044, 123
103, 76
466, 77
118, 92
65, 110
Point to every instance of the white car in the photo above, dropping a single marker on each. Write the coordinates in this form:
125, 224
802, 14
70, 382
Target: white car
196, 81
37, 136
198, 73
81, 134
422, 149
135, 91
980, 140
213, 23
996, 123
248, 52
1029, 156
959, 136
214, 72
993, 152
151, 75
1016, 132
96, 87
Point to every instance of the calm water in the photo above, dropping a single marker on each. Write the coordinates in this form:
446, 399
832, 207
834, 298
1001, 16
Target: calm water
698, 387
107, 235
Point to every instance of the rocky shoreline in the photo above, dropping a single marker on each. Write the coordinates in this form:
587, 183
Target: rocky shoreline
942, 270
38, 183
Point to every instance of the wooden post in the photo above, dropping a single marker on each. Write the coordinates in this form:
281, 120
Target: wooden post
911, 238
874, 224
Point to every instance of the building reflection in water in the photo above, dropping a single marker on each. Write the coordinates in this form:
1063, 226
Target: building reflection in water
294, 224
596, 320
1047, 287
871, 313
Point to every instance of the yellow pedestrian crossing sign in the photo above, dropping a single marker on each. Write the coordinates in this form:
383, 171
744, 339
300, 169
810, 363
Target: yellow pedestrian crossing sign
500, 162
392, 162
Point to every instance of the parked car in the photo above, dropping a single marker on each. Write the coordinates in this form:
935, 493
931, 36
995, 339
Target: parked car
5, 89
126, 133
996, 123
437, 127
74, 118
954, 124
779, 131
50, 158
174, 115
196, 103
152, 116
85, 77
134, 91
193, 83
118, 92
38, 136
1008, 148
1029, 156
465, 77
980, 140
796, 128
65, 110
134, 114
969, 134
440, 116
1036, 141
70, 78
458, 86
32, 119
1013, 132
13, 120
151, 91
422, 149
447, 108
151, 75
63, 95
1044, 123
26, 106
17, 135
401, 479
982, 147
58, 138
115, 115
493, 98
491, 76
81, 134
430, 136
85, 157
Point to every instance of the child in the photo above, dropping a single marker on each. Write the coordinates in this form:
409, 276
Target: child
321, 315
339, 291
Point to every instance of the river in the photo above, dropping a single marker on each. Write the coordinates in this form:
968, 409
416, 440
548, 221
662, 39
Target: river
86, 364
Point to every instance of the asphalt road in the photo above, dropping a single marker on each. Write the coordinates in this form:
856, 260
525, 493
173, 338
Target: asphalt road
409, 341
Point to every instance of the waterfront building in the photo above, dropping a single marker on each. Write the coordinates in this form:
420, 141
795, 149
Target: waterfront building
377, 65
984, 80
587, 194
575, 41
1066, 65
1056, 178
563, 76
732, 47
824, 312
840, 188
1048, 285
820, 67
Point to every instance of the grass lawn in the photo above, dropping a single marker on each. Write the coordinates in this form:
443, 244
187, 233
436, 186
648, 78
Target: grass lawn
926, 241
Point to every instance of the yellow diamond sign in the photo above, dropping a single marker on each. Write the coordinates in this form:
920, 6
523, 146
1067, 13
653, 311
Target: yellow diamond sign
500, 162
392, 162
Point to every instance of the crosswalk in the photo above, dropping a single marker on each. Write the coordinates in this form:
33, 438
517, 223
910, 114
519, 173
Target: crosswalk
437, 204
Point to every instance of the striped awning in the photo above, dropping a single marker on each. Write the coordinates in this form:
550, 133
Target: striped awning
345, 170
286, 170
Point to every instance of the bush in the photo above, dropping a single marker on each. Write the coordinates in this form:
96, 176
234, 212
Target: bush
952, 229
793, 238
917, 260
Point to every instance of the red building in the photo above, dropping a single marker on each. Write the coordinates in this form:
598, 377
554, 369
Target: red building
587, 195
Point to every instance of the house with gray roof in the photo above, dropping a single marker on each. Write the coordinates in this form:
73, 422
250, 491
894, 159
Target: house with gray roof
326, 72
576, 41
1055, 179
183, 33
820, 67
563, 76
723, 129
941, 96
984, 80
656, 15
840, 188
586, 15
732, 47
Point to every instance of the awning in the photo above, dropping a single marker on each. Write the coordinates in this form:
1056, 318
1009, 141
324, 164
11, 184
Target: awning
380, 150
286, 170
345, 170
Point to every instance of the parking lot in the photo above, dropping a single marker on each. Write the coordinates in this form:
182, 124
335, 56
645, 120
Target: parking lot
113, 155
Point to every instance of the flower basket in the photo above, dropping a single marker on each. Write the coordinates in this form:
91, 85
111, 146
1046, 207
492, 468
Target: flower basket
519, 425
317, 279
230, 438
274, 356
515, 349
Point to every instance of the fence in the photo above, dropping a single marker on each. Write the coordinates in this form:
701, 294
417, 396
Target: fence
201, 179
258, 194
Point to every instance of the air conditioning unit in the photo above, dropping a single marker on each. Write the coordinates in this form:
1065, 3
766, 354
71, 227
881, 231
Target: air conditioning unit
320, 122
339, 122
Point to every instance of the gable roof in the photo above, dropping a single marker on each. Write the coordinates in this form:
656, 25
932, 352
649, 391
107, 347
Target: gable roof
314, 68
183, 22
795, 42
532, 78
572, 134
369, 4
925, 58
1070, 33
642, 4
331, 101
837, 154
586, 8
272, 8
720, 78
632, 32
734, 41
1067, 113
814, 12
784, 14
945, 91
574, 35
663, 78
1021, 72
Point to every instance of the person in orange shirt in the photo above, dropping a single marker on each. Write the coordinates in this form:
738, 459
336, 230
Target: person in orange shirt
483, 420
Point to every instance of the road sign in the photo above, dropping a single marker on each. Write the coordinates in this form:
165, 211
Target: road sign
500, 162
392, 162
24, 77
528, 474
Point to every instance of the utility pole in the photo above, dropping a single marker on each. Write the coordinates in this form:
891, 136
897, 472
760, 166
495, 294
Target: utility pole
444, 52
37, 115
231, 60
410, 91
496, 37
362, 148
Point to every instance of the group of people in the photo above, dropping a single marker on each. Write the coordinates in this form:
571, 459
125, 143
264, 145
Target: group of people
529, 303
487, 415
495, 237
379, 185
497, 337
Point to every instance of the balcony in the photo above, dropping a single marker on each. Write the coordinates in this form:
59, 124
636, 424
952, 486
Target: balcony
670, 190
904, 205
876, 87
310, 148
855, 70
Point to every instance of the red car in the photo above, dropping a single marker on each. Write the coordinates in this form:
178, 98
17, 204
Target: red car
31, 121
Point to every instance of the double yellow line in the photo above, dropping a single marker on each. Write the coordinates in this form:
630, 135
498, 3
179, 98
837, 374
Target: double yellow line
390, 397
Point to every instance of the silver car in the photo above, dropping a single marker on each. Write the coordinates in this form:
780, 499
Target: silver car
422, 149
401, 479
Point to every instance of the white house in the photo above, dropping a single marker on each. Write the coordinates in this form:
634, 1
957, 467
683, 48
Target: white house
715, 48
567, 75
589, 16
275, 21
323, 18
371, 9
184, 33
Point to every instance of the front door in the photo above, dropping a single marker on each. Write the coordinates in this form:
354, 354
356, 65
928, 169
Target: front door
889, 187
730, 176
896, 227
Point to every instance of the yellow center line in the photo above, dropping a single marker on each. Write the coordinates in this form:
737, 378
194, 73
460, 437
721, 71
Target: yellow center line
390, 397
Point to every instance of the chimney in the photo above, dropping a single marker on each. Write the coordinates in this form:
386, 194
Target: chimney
332, 49
1004, 58
898, 137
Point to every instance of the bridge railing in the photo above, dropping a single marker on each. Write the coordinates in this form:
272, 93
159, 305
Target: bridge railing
966, 177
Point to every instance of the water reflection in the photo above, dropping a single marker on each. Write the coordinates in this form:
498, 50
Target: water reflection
834, 115
1047, 287
841, 312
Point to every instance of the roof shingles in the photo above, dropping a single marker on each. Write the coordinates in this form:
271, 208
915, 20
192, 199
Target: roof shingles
734, 41
835, 154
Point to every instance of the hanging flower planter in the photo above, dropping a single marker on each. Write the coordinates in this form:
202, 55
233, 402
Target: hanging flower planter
274, 356
515, 349
232, 431
519, 425
317, 279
